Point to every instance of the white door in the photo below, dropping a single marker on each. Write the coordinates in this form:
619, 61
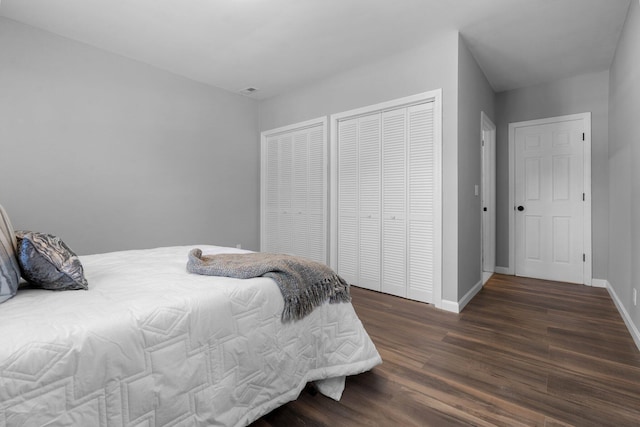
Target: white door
369, 202
317, 195
293, 194
347, 224
299, 193
488, 197
549, 200
285, 219
386, 196
394, 189
421, 204
269, 241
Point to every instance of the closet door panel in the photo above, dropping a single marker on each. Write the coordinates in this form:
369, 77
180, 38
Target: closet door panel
285, 194
394, 233
294, 191
270, 203
300, 191
317, 191
369, 201
348, 259
420, 204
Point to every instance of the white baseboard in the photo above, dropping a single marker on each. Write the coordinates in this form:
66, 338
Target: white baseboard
633, 330
599, 283
456, 307
469, 295
503, 270
486, 275
451, 306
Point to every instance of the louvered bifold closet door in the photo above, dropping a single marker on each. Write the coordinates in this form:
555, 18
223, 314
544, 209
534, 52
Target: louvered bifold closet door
285, 176
271, 204
300, 189
394, 189
421, 178
369, 201
348, 244
386, 163
294, 192
316, 196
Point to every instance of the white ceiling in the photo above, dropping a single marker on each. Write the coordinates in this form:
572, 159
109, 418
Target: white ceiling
279, 45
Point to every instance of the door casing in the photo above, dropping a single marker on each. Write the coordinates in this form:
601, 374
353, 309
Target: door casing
586, 117
488, 135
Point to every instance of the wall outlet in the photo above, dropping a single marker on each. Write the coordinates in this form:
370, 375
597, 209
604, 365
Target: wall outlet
635, 297
239, 246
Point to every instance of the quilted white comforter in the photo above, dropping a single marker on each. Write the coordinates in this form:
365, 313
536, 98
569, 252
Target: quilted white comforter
151, 345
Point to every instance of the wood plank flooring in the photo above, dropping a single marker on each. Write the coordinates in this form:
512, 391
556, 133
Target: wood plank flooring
523, 352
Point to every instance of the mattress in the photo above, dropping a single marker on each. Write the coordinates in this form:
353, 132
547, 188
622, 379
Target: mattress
151, 345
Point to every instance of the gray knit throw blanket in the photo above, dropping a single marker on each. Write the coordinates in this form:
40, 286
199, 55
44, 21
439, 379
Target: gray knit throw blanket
304, 284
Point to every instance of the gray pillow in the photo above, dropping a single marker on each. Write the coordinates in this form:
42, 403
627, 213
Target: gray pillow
46, 262
9, 269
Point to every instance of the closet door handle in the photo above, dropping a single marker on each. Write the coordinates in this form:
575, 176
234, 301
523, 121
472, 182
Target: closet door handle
520, 208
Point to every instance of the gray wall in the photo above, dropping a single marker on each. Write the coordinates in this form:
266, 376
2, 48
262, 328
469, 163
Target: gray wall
112, 154
428, 67
580, 94
474, 96
624, 165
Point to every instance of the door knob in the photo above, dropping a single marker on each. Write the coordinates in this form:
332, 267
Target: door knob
520, 208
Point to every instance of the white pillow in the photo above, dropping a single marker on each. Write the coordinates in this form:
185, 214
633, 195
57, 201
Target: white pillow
9, 268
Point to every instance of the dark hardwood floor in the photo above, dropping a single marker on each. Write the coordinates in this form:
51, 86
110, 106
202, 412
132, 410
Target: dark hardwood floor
523, 352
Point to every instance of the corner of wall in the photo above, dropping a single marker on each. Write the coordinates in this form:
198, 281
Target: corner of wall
474, 96
457, 307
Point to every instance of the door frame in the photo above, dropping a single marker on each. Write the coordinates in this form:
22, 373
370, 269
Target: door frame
488, 136
586, 232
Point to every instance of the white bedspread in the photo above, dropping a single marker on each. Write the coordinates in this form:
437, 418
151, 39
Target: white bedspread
151, 345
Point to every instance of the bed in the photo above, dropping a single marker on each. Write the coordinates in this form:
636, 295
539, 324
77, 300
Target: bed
149, 344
